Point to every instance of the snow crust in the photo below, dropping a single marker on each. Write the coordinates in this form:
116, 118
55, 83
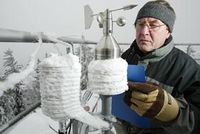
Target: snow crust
60, 90
108, 77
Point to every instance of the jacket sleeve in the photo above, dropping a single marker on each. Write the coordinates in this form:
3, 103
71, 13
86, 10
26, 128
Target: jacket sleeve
188, 119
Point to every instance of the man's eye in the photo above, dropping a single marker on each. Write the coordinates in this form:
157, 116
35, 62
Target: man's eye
141, 24
153, 25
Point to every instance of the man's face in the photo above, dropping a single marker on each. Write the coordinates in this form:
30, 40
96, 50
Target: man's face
151, 34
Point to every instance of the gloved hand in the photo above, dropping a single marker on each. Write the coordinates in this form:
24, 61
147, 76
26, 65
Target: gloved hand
150, 100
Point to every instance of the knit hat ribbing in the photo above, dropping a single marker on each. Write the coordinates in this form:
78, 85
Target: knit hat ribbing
158, 11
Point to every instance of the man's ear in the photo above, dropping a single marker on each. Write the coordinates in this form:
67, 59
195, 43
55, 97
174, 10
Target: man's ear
168, 34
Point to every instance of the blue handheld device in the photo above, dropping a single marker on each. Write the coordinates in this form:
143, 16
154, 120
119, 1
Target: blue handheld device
120, 109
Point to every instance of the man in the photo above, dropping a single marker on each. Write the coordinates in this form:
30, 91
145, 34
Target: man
171, 96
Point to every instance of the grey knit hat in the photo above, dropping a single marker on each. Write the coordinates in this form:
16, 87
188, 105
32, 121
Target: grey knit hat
158, 11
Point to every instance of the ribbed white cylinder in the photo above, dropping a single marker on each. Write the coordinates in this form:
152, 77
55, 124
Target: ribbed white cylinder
60, 84
108, 77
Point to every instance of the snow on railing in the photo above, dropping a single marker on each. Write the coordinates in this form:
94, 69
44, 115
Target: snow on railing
15, 78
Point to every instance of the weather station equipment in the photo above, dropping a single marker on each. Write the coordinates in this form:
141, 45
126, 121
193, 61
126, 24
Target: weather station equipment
107, 49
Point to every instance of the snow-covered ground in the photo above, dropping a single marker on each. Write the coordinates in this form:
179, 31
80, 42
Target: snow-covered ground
38, 123
34, 123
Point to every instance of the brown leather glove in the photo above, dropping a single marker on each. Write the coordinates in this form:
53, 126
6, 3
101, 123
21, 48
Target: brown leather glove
150, 100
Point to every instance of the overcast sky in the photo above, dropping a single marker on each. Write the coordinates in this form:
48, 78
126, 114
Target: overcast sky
66, 18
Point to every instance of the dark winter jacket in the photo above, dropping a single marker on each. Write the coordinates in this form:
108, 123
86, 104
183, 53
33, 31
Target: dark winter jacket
179, 75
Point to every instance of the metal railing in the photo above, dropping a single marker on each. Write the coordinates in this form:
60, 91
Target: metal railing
21, 36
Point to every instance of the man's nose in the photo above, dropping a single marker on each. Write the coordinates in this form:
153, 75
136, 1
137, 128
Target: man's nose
145, 30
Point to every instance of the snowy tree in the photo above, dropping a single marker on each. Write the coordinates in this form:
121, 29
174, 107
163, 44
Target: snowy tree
32, 86
18, 97
11, 102
7, 106
86, 55
10, 63
12, 67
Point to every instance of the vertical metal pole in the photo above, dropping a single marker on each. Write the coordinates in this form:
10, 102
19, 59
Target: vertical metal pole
75, 126
107, 110
106, 104
106, 49
62, 127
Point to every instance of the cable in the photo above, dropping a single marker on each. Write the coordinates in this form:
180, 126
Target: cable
68, 128
53, 129
96, 104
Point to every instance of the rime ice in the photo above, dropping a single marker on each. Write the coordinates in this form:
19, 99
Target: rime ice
60, 90
108, 77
